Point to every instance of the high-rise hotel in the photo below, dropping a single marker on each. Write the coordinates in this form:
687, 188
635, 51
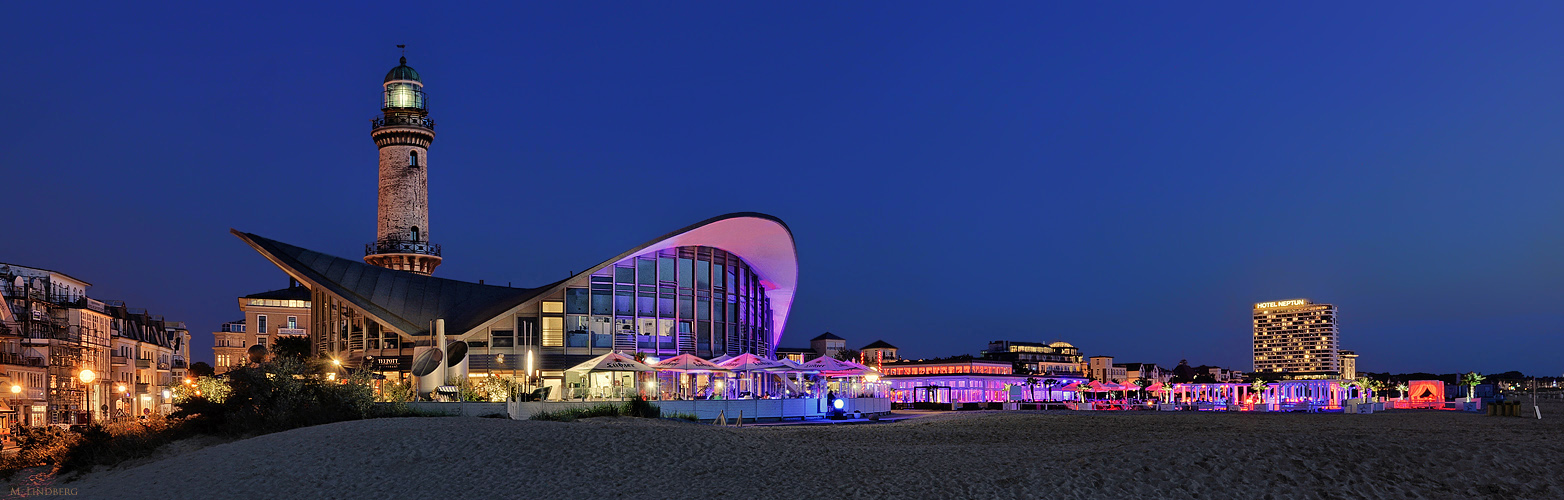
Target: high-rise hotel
1296, 338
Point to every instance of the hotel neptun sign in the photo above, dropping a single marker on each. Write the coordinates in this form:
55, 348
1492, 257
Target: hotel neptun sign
1281, 303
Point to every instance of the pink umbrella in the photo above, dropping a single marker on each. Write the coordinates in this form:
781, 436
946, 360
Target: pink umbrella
749, 362
690, 364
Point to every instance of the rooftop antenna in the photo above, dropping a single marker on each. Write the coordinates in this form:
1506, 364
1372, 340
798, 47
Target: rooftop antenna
404, 52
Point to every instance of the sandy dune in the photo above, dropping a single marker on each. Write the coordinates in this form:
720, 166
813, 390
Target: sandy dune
965, 455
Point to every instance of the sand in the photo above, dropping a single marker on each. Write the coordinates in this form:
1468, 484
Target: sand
1421, 454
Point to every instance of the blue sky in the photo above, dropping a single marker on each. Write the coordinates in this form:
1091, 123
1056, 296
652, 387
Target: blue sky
1128, 178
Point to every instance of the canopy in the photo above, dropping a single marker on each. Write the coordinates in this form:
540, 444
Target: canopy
688, 363
1072, 386
611, 362
1098, 386
796, 367
857, 365
720, 359
827, 364
749, 362
1155, 386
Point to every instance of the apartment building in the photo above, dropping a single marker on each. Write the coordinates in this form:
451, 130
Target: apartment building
267, 317
57, 348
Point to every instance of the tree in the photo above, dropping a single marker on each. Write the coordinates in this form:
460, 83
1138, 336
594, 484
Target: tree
1143, 382
1031, 386
1402, 388
1471, 380
1020, 368
1048, 385
847, 355
291, 347
1259, 387
201, 369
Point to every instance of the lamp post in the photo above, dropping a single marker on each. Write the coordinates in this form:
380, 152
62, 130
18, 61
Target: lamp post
87, 376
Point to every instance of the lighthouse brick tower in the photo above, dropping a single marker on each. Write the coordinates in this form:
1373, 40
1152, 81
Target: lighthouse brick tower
403, 133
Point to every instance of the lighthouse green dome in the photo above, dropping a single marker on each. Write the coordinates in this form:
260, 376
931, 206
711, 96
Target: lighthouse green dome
403, 72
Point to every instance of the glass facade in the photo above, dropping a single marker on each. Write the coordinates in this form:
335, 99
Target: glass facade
698, 300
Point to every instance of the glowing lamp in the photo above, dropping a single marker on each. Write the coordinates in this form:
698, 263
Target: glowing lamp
336, 362
16, 389
166, 394
837, 403
87, 376
331, 376
121, 388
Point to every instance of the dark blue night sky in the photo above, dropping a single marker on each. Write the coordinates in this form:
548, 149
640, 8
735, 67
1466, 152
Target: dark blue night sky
1129, 179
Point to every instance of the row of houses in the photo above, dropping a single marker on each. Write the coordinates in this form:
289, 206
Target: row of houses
67, 358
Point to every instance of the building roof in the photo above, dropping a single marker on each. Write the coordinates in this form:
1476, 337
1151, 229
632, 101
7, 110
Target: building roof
403, 72
290, 293
408, 302
879, 344
796, 349
4, 268
826, 336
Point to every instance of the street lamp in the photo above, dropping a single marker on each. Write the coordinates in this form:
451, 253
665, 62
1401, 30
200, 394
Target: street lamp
87, 376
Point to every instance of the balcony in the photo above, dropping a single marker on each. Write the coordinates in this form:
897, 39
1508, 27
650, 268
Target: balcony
381, 122
162, 366
143, 388
401, 246
19, 360
117, 360
179, 364
143, 363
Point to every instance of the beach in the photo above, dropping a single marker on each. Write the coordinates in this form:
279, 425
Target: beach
1405, 454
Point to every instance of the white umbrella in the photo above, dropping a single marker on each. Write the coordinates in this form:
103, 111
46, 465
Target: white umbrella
611, 362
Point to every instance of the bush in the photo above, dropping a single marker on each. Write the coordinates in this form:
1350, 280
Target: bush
685, 416
44, 445
115, 443
637, 407
279, 396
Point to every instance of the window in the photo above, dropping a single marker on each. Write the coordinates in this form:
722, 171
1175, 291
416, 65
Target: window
576, 300
260, 323
415, 233
553, 307
503, 338
412, 159
553, 332
293, 321
260, 341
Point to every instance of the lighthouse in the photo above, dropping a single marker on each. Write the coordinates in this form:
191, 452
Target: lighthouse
403, 133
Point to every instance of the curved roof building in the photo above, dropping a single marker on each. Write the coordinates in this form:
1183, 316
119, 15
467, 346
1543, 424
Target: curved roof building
721, 286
